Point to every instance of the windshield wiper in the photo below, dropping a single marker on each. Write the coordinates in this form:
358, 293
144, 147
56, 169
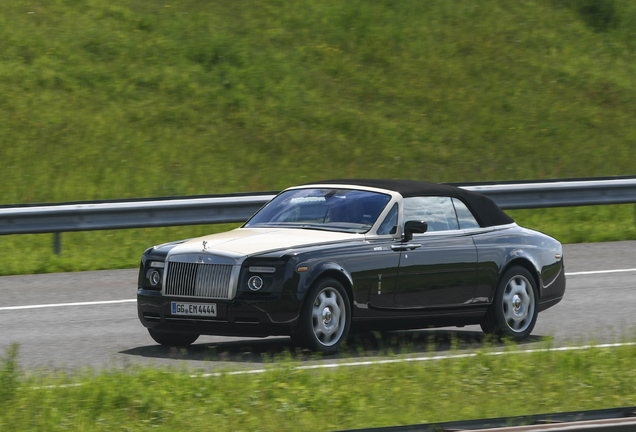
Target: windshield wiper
332, 229
309, 227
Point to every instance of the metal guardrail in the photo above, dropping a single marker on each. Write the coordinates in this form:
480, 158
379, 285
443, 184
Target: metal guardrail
604, 420
108, 215
131, 214
560, 193
122, 214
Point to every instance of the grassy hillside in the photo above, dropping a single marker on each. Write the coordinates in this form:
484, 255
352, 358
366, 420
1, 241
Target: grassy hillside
124, 98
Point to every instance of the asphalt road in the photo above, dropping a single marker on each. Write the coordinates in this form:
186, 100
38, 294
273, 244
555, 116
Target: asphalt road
598, 307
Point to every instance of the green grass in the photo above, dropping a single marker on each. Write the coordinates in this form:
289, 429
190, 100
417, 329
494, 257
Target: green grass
92, 250
118, 99
285, 398
582, 224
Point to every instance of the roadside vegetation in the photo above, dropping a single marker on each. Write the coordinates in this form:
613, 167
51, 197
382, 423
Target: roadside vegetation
109, 99
118, 99
285, 398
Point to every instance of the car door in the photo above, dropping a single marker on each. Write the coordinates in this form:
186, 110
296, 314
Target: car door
437, 268
384, 261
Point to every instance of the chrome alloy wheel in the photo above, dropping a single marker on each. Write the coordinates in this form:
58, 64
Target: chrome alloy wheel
329, 316
518, 303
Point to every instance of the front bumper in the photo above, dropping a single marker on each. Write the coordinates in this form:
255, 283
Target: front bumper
247, 315
553, 293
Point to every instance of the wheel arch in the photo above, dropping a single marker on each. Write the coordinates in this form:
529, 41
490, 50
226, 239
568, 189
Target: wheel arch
528, 265
342, 278
334, 271
304, 332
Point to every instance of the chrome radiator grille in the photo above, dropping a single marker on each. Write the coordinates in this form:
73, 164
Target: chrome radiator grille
198, 280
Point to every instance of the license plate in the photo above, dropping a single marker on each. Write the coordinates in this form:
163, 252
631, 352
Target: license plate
194, 309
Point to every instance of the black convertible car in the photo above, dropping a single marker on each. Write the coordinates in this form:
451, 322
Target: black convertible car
322, 259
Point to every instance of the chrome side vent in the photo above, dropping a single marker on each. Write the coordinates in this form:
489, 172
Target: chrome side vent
198, 280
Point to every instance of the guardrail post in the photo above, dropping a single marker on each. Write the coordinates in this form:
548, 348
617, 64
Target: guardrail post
57, 243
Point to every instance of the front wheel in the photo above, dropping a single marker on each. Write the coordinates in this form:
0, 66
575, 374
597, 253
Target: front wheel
173, 339
325, 317
514, 309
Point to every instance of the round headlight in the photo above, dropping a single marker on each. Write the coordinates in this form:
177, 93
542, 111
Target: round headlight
255, 283
154, 278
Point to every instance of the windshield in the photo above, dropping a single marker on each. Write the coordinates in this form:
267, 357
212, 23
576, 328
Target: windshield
324, 209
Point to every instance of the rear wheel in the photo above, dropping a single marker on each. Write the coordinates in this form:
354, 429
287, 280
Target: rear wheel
514, 309
325, 317
173, 339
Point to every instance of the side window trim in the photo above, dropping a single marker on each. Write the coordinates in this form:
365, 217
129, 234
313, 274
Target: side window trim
387, 220
467, 216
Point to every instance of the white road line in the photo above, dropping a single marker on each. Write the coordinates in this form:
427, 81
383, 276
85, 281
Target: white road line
599, 272
389, 361
416, 359
6, 308
133, 300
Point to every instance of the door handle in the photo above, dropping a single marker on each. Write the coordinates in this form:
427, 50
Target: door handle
405, 247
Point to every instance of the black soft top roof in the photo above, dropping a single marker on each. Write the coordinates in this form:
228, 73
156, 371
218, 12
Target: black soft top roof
483, 208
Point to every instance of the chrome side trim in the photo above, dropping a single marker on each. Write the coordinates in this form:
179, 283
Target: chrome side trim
446, 233
471, 231
553, 280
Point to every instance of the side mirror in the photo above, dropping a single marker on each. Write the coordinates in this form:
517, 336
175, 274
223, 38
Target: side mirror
413, 227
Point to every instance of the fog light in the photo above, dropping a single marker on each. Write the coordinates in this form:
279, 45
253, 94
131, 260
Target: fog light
154, 278
255, 283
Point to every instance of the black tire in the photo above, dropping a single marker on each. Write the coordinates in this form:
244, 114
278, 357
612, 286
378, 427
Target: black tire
515, 306
173, 339
325, 317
